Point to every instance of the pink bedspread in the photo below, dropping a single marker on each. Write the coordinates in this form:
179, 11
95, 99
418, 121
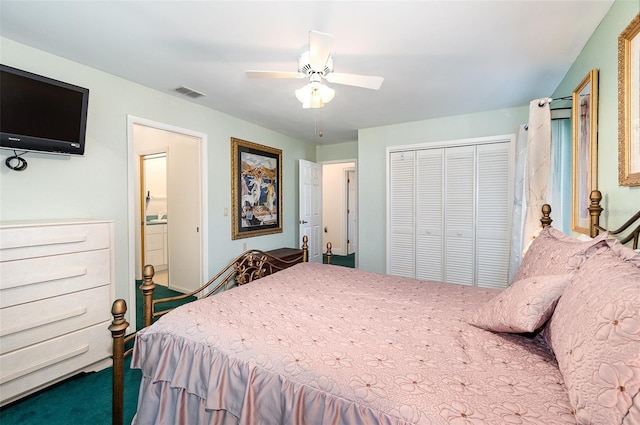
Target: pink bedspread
317, 344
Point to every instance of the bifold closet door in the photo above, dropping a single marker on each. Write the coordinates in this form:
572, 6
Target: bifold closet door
429, 214
492, 222
459, 217
449, 214
401, 258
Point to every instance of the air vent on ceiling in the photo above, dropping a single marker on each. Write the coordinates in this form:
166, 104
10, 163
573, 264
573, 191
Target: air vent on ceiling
189, 92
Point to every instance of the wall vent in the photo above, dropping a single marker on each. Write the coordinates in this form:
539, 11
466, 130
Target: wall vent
189, 92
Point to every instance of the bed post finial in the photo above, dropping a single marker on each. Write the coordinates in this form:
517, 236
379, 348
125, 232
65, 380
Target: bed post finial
118, 328
595, 210
305, 249
147, 288
546, 216
329, 252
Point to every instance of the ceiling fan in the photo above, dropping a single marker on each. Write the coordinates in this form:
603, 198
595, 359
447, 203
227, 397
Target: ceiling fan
316, 64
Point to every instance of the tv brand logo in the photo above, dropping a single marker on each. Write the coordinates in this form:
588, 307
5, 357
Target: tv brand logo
14, 139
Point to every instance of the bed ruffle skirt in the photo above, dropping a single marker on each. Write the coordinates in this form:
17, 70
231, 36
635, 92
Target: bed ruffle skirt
190, 383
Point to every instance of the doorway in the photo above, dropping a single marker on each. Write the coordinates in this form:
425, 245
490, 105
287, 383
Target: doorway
339, 206
154, 212
181, 214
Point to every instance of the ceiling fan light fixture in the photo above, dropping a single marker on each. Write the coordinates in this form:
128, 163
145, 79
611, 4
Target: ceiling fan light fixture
315, 95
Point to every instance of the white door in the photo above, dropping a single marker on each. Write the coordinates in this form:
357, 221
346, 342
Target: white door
310, 208
401, 248
184, 214
352, 212
459, 220
492, 228
429, 214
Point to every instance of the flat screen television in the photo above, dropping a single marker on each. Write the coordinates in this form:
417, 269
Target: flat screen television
41, 114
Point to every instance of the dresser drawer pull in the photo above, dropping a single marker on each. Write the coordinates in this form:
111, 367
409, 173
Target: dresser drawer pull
44, 321
74, 353
57, 275
54, 241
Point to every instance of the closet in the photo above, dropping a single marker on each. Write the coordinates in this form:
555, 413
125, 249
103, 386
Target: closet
449, 211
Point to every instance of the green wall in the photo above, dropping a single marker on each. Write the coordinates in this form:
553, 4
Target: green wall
601, 52
337, 152
95, 186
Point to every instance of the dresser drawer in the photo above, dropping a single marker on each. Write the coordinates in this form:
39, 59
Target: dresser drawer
30, 368
28, 241
23, 281
31, 323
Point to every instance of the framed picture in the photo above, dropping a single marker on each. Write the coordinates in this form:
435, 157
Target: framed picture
585, 148
629, 104
256, 189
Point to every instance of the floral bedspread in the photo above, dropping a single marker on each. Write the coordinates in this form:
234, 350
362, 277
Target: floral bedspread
318, 344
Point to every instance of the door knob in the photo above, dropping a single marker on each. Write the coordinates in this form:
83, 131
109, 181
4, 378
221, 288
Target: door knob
303, 222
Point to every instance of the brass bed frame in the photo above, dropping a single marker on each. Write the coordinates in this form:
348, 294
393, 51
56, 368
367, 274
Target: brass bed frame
254, 264
247, 267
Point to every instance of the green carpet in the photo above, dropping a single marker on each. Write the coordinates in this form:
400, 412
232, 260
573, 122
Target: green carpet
82, 399
341, 260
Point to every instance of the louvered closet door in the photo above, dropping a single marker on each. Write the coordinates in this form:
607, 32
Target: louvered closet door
429, 214
459, 195
492, 237
402, 215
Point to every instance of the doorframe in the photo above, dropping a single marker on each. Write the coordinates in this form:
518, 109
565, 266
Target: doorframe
132, 200
346, 184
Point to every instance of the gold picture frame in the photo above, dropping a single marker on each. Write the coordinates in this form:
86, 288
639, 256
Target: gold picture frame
629, 104
256, 189
585, 148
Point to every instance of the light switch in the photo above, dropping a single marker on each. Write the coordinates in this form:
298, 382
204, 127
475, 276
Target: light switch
226, 211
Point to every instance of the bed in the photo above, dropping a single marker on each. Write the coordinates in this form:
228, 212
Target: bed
321, 344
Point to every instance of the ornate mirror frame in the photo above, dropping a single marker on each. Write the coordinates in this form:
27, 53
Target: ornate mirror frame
585, 148
629, 104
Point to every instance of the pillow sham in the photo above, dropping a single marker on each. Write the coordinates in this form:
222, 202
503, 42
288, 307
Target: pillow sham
595, 335
549, 252
523, 307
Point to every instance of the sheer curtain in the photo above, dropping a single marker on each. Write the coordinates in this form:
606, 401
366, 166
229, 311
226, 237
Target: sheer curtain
530, 192
519, 203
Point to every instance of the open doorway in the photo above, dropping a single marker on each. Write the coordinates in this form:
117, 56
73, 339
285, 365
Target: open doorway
179, 212
154, 212
339, 205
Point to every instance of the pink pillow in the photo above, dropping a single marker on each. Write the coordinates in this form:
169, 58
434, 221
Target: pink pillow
595, 335
549, 252
523, 307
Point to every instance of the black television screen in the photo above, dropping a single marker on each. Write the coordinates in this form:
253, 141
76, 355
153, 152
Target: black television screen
41, 114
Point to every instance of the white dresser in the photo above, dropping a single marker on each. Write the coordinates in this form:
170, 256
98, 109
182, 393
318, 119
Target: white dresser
56, 289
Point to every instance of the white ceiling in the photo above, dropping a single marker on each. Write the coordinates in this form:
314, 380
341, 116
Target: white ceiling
438, 58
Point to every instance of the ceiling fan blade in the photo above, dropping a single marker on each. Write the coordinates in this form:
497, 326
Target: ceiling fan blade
320, 47
364, 81
273, 74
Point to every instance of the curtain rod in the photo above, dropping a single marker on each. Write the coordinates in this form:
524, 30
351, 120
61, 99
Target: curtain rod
542, 102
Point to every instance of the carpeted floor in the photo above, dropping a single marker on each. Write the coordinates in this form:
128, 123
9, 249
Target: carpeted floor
82, 399
342, 260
